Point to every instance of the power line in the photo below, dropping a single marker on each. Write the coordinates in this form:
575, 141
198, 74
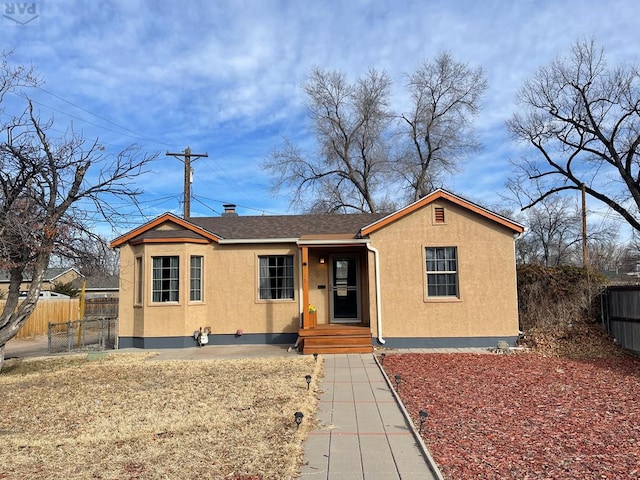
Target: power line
91, 113
205, 205
218, 166
137, 136
222, 202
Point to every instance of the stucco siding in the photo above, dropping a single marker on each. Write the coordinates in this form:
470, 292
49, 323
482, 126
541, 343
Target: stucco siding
487, 302
235, 297
230, 292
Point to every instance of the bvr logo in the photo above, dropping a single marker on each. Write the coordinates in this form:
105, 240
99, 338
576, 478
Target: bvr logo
21, 13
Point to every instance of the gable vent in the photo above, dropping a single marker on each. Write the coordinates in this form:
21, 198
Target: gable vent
439, 215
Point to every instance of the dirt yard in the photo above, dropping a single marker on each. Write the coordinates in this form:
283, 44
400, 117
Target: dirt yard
122, 417
525, 416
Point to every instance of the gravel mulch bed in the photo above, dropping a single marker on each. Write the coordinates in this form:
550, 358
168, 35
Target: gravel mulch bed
525, 416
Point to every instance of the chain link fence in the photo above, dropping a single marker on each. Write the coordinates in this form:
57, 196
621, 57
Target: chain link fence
82, 335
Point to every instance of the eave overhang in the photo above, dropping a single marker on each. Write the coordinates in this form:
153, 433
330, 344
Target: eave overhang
130, 237
437, 195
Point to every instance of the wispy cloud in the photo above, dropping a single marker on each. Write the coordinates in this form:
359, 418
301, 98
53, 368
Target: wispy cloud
225, 77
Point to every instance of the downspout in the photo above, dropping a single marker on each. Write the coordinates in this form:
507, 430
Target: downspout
376, 261
300, 303
517, 236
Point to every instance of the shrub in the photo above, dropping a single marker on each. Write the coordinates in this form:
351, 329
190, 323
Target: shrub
559, 311
66, 289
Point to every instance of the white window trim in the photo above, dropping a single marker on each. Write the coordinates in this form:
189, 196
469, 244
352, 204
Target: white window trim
151, 290
138, 281
259, 299
201, 300
425, 276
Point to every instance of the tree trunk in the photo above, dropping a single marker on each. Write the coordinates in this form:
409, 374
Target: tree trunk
1, 357
15, 312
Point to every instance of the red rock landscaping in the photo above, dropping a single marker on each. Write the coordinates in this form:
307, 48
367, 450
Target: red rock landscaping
525, 416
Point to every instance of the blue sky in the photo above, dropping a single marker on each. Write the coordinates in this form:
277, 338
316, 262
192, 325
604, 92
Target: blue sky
225, 77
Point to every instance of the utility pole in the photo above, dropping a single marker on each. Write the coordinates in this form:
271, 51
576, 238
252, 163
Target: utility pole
187, 176
585, 256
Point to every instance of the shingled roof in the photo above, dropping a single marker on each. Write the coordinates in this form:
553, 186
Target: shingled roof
285, 226
291, 227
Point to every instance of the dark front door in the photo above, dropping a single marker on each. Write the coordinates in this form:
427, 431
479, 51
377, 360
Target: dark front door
345, 289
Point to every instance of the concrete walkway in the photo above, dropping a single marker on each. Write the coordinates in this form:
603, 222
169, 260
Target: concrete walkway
363, 432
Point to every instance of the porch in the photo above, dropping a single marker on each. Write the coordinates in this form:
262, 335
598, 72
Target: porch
335, 339
335, 292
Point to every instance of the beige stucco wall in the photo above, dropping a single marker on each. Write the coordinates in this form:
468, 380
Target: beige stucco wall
486, 306
487, 303
230, 292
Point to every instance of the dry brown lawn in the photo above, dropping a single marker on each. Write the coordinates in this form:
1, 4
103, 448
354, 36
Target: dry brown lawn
126, 417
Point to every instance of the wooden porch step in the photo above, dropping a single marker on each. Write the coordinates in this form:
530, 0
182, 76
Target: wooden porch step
336, 349
355, 340
334, 330
336, 339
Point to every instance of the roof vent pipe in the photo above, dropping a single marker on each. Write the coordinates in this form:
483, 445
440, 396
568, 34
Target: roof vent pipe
229, 210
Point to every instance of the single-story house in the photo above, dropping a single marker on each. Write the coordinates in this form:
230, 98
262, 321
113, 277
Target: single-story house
439, 272
52, 276
98, 286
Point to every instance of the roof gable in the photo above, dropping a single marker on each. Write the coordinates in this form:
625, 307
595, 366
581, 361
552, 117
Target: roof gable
441, 194
149, 232
50, 274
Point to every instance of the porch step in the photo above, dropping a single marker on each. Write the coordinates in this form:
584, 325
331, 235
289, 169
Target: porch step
334, 350
336, 339
335, 331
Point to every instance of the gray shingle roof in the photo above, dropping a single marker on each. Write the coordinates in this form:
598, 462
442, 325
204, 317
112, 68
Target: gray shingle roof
285, 226
98, 282
160, 234
50, 274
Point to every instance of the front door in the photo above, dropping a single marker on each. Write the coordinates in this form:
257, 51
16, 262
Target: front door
345, 289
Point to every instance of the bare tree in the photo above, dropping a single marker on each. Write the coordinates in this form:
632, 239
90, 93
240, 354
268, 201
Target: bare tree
554, 233
350, 120
367, 152
45, 184
612, 256
583, 120
89, 253
437, 132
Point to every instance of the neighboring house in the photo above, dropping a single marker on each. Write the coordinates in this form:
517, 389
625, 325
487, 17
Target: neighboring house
440, 272
51, 277
98, 286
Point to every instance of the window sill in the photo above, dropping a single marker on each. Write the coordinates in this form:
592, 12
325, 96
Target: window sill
442, 300
276, 300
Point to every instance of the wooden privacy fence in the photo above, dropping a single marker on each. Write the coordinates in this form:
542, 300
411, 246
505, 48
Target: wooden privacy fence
58, 310
621, 315
62, 310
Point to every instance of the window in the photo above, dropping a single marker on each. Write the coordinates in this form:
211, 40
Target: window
276, 277
195, 282
165, 279
138, 281
442, 272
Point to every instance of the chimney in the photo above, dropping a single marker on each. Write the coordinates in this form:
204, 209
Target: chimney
229, 210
